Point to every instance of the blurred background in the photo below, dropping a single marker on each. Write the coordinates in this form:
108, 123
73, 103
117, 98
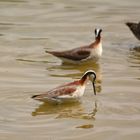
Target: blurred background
27, 29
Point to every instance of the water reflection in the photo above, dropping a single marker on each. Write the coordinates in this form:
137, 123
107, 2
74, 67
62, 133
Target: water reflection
134, 56
32, 61
66, 110
136, 49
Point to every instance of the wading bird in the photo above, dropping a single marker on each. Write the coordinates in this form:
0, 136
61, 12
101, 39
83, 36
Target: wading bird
92, 51
73, 90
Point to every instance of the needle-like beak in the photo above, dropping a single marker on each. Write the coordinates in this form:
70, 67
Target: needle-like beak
94, 89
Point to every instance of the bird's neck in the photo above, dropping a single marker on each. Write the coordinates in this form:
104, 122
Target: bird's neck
84, 80
97, 41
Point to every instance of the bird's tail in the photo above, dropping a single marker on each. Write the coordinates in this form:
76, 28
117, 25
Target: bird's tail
49, 52
55, 53
34, 96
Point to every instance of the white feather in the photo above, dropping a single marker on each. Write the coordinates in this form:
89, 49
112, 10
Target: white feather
96, 52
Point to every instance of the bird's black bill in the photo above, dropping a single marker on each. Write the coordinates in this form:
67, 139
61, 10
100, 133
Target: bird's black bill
94, 89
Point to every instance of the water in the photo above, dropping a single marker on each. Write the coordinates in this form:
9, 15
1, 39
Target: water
27, 29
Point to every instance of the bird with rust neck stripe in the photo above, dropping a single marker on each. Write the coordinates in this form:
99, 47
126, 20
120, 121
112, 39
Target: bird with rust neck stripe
135, 28
92, 51
73, 90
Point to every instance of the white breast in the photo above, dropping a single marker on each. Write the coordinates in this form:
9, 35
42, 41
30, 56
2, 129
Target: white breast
79, 92
96, 52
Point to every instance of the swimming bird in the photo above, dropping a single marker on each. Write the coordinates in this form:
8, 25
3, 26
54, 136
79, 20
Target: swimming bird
135, 28
73, 90
92, 51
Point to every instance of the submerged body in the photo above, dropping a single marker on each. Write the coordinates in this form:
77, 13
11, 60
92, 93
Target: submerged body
73, 90
84, 53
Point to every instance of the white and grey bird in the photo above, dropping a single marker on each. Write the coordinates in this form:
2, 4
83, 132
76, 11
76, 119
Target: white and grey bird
93, 51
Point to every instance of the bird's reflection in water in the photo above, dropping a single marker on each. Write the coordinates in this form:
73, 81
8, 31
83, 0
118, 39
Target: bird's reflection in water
66, 110
135, 49
134, 56
75, 71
